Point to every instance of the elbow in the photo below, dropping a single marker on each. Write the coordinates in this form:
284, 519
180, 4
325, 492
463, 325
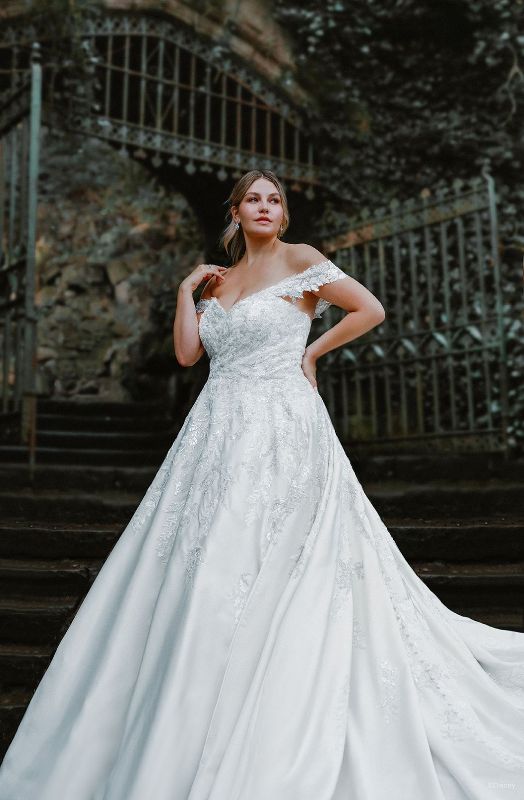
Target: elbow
380, 315
185, 355
182, 359
186, 362
374, 315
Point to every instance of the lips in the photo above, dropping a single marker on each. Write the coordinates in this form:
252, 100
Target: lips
262, 219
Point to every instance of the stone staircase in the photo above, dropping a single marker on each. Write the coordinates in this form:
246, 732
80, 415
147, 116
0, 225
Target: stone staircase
457, 519
94, 461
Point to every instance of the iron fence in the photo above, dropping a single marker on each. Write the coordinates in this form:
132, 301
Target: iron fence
433, 374
163, 92
20, 110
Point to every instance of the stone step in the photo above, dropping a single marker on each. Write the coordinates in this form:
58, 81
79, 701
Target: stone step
74, 541
507, 619
22, 665
109, 440
469, 585
35, 620
96, 407
446, 499
108, 422
417, 539
24, 578
74, 476
31, 632
69, 506
12, 708
501, 540
443, 500
423, 468
84, 455
475, 585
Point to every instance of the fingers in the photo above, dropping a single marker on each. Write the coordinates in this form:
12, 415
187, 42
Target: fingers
311, 378
213, 269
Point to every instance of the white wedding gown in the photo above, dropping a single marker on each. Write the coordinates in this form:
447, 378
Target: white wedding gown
255, 633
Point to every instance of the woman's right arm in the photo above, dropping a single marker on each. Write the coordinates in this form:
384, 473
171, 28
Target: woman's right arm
186, 339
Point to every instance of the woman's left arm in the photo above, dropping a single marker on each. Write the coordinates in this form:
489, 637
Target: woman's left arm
364, 312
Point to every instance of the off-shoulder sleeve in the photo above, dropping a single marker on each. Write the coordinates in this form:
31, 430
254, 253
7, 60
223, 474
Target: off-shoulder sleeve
311, 279
201, 305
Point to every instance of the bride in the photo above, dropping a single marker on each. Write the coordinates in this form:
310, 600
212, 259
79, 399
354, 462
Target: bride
255, 633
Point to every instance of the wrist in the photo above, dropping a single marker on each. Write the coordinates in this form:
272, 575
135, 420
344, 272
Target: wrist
185, 288
310, 354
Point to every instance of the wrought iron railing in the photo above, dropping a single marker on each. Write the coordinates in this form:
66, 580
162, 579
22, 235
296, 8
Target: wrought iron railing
20, 111
165, 93
433, 374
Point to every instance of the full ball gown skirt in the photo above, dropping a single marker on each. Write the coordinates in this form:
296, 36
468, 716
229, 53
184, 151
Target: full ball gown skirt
255, 633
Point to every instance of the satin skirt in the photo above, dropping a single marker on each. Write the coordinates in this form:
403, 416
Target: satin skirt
256, 633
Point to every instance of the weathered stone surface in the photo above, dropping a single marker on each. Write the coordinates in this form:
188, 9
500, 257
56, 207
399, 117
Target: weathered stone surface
118, 270
46, 353
112, 248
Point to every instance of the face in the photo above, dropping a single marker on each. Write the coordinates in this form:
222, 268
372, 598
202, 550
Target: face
260, 211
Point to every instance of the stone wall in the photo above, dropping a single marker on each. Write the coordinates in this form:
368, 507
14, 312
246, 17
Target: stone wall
112, 248
113, 244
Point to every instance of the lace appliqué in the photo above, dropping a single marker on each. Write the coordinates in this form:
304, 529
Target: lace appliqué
151, 498
311, 279
347, 571
197, 494
359, 637
193, 559
202, 304
239, 594
301, 558
431, 669
388, 690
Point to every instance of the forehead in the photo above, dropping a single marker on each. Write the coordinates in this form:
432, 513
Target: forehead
262, 186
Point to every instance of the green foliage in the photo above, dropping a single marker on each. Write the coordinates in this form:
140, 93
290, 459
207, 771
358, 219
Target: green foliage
63, 16
408, 94
412, 92
67, 56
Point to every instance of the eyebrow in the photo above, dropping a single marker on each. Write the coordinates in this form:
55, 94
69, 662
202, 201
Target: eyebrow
269, 195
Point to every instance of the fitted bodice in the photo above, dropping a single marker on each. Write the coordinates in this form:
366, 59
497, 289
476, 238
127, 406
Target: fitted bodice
263, 335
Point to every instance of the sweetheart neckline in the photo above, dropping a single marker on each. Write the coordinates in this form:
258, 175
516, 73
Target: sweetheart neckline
267, 288
300, 310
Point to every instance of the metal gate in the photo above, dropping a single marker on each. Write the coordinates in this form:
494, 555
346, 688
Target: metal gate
20, 109
433, 374
169, 96
166, 91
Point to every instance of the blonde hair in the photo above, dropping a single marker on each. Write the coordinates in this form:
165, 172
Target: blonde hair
232, 239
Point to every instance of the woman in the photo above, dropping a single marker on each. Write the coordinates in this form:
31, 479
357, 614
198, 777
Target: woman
255, 633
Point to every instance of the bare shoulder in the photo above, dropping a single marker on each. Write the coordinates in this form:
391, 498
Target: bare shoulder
301, 256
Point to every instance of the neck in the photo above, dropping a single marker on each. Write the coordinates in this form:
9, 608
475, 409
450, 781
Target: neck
258, 251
